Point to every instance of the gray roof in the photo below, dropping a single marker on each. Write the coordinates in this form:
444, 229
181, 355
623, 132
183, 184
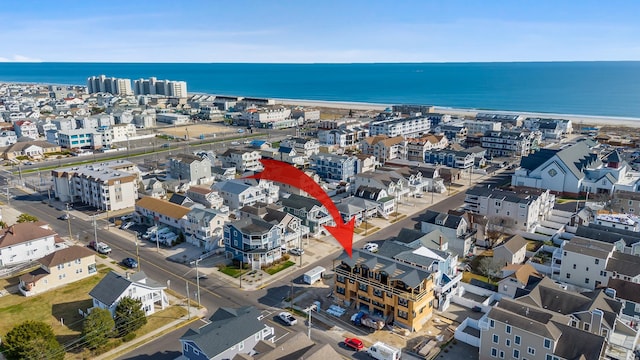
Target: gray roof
113, 285
252, 225
521, 316
589, 247
203, 214
179, 199
625, 290
410, 275
624, 264
228, 327
232, 186
608, 234
504, 195
449, 221
577, 344
300, 202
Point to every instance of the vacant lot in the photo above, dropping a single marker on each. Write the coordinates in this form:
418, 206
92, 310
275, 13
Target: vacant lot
195, 130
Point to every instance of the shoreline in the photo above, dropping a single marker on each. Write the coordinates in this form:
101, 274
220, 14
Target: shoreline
593, 120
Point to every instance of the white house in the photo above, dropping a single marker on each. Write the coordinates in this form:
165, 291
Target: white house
511, 251
203, 228
242, 160
24, 242
26, 128
114, 287
239, 193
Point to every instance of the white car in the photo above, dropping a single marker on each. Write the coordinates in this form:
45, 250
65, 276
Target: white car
127, 225
371, 247
296, 251
235, 143
287, 318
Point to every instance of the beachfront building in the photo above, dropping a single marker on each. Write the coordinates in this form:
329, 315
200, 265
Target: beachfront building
153, 86
273, 117
482, 126
384, 148
108, 186
394, 126
386, 288
345, 136
511, 143
511, 120
111, 85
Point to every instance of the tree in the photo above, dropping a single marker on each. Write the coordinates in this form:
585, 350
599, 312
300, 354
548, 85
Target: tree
98, 327
32, 340
3, 225
489, 267
26, 218
495, 227
129, 316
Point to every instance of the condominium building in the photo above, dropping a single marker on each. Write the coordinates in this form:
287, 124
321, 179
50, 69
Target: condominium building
481, 126
385, 148
242, 160
411, 126
153, 86
111, 85
190, 167
107, 186
388, 289
332, 167
511, 143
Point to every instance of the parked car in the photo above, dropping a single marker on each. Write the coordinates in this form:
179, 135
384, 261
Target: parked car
287, 318
296, 251
63, 217
166, 145
247, 141
354, 343
371, 247
126, 217
100, 247
131, 263
127, 225
235, 143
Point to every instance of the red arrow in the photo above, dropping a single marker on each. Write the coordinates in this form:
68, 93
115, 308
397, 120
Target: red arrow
287, 174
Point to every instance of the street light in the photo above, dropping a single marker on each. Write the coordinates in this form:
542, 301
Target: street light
309, 310
68, 222
197, 278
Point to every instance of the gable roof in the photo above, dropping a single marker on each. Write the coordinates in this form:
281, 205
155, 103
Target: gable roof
109, 289
300, 202
442, 219
625, 290
228, 327
23, 232
412, 276
514, 244
65, 255
523, 272
163, 207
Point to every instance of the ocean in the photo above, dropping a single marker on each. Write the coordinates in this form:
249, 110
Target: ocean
581, 88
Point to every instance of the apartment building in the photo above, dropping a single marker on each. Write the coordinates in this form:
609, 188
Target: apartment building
331, 167
482, 126
512, 120
418, 147
386, 288
109, 186
625, 202
385, 148
343, 136
456, 133
111, 85
191, 168
152, 211
405, 127
80, 138
268, 118
153, 86
511, 143
242, 159
451, 158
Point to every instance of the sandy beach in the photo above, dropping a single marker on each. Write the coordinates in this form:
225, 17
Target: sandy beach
594, 120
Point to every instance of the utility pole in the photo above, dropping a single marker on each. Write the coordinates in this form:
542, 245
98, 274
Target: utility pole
241, 268
309, 310
197, 279
8, 197
300, 245
157, 240
188, 303
135, 233
69, 222
95, 229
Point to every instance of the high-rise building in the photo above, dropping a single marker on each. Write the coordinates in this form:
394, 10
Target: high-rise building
111, 85
153, 86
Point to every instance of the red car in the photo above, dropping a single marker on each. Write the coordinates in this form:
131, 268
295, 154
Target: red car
354, 343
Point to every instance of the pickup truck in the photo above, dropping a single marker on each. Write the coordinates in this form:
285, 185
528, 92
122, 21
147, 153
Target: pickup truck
287, 318
100, 247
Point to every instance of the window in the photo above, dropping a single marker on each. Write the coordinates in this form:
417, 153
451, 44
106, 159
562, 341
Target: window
340, 290
403, 302
586, 280
516, 354
586, 327
403, 314
196, 352
494, 352
507, 342
568, 276
603, 273
532, 351
552, 172
597, 261
501, 354
547, 344
496, 338
517, 340
492, 323
241, 345
363, 287
508, 329
574, 266
587, 268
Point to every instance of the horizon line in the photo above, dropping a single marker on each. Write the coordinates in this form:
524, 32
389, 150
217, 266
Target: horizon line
325, 63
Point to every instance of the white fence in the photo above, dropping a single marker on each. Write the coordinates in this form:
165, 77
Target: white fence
460, 335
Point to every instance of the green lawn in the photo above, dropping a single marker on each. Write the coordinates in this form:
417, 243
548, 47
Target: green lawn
279, 267
232, 271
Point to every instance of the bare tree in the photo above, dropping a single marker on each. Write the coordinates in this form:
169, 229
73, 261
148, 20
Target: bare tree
496, 228
490, 267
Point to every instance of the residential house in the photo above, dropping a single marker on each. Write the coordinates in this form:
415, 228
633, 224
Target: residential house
289, 189
435, 239
550, 129
451, 158
385, 148
221, 174
242, 160
25, 242
420, 177
253, 241
521, 210
625, 202
183, 200
238, 193
293, 230
418, 147
7, 138
332, 167
515, 277
107, 186
455, 133
346, 137
625, 241
108, 293
517, 330
511, 143
512, 251
589, 263
152, 211
365, 163
453, 227
36, 149
205, 196
286, 154
628, 294
312, 213
386, 288
191, 168
385, 203
357, 208
203, 228
59, 268
304, 147
26, 128
153, 187
387, 179
228, 334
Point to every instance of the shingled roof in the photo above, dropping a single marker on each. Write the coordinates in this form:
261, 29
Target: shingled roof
23, 232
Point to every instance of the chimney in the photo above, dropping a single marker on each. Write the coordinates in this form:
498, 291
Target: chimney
440, 241
128, 275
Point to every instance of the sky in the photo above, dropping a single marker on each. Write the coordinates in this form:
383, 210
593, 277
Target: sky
327, 31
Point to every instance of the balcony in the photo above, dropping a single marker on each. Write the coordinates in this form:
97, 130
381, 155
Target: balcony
411, 295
